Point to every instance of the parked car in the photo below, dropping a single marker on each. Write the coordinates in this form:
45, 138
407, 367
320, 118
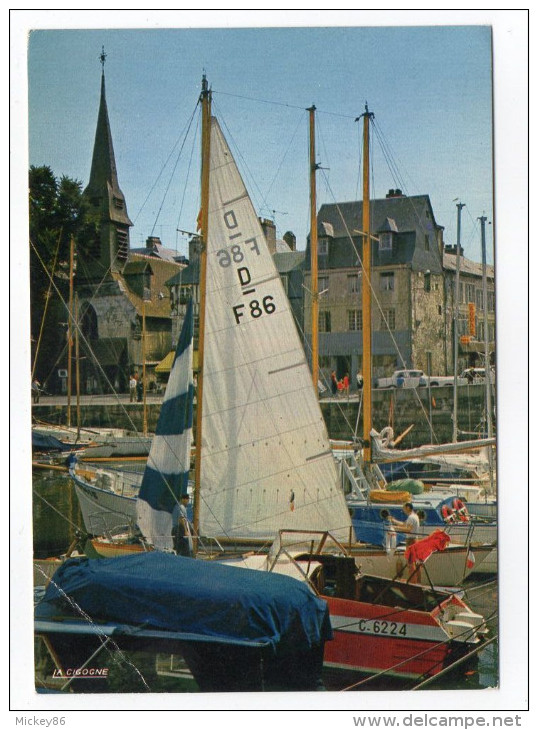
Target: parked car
477, 375
415, 379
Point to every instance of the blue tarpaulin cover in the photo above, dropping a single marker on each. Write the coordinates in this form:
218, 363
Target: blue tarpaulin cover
167, 592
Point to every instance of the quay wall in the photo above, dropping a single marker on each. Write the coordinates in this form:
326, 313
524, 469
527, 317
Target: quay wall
401, 407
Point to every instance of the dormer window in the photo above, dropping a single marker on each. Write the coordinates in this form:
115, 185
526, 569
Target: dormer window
323, 246
385, 241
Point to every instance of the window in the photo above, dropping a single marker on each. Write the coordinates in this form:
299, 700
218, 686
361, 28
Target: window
427, 281
284, 280
461, 299
479, 299
426, 241
122, 240
388, 319
323, 246
354, 320
469, 292
491, 301
323, 284
480, 331
353, 283
324, 320
387, 281
385, 241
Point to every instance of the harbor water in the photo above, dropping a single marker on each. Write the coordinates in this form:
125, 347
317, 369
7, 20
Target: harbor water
57, 524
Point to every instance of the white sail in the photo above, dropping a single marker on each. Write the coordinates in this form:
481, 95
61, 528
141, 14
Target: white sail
266, 462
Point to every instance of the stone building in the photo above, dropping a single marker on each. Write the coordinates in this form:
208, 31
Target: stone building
474, 311
122, 302
408, 298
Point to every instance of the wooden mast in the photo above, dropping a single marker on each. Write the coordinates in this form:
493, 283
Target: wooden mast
70, 329
314, 252
205, 99
144, 405
77, 366
366, 293
456, 306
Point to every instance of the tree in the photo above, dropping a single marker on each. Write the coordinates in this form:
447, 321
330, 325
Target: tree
57, 212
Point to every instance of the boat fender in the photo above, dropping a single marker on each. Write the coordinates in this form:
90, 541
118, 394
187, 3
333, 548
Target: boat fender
460, 510
387, 436
447, 513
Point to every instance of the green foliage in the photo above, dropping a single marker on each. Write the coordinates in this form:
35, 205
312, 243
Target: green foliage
57, 212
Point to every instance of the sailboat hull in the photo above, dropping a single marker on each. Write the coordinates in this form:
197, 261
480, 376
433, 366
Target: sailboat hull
103, 510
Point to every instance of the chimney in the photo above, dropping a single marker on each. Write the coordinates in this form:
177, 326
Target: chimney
291, 240
269, 231
152, 242
396, 193
194, 248
453, 249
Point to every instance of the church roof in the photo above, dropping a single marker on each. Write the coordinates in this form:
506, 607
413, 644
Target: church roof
103, 182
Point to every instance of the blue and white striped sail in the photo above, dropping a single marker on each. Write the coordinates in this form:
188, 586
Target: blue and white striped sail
167, 470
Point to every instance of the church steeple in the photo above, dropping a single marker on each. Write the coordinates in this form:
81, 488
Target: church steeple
106, 200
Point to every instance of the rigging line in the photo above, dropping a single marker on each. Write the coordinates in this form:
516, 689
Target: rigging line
369, 283
280, 103
240, 155
283, 158
194, 140
117, 655
173, 170
47, 299
184, 132
84, 340
73, 524
399, 177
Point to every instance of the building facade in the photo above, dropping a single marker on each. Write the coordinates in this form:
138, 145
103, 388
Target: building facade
408, 298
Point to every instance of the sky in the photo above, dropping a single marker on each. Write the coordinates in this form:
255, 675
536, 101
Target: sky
430, 89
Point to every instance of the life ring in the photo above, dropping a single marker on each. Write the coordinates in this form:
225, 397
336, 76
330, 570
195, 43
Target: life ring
447, 514
461, 510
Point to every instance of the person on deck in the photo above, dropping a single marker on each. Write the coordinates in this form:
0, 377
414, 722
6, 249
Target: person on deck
360, 380
411, 527
346, 384
132, 388
36, 390
182, 532
334, 383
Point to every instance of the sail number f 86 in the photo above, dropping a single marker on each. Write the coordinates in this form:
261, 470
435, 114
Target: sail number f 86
235, 256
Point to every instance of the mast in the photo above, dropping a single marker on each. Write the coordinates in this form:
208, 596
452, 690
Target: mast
144, 407
205, 99
483, 220
77, 366
456, 305
70, 329
314, 252
366, 294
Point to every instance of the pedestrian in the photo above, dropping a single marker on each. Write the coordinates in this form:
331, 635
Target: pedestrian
346, 384
334, 383
182, 531
36, 390
360, 380
132, 388
139, 390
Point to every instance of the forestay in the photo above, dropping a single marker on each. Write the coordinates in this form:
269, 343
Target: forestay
167, 469
266, 462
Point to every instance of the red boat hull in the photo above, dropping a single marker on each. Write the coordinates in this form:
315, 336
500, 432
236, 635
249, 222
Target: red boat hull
378, 638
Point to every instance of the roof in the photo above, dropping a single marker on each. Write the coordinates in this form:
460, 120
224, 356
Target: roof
158, 251
187, 275
159, 304
405, 212
287, 261
466, 266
